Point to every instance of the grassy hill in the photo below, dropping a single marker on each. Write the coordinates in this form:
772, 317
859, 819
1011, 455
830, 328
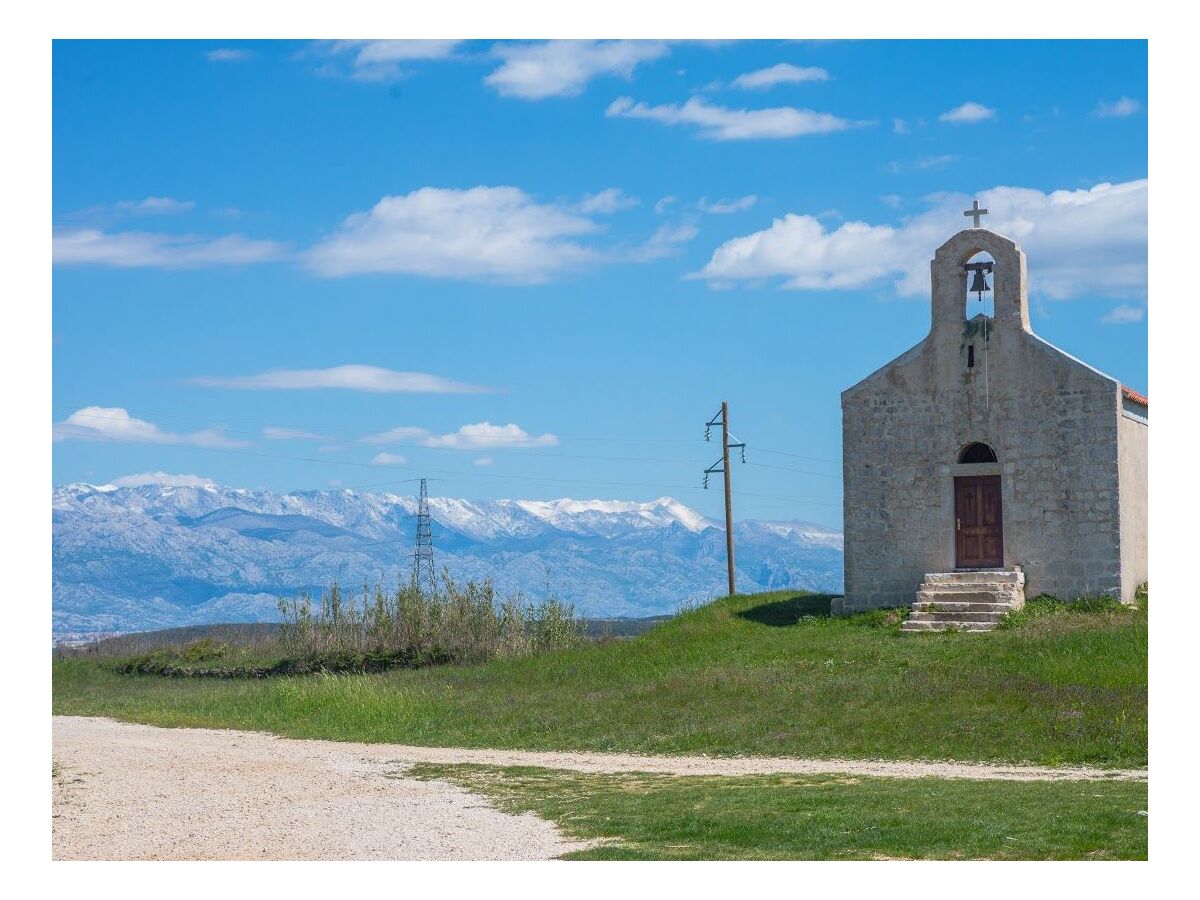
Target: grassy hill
763, 674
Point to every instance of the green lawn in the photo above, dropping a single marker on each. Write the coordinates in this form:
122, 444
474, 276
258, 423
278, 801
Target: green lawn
640, 816
763, 674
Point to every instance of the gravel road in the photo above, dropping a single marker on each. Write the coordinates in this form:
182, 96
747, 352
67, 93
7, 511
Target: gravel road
135, 792
124, 791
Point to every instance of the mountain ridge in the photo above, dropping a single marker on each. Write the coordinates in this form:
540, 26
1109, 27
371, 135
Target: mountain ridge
153, 555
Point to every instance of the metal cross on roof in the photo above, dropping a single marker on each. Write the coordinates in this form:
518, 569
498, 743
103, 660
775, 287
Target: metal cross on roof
975, 212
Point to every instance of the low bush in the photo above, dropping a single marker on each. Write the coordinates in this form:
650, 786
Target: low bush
464, 624
374, 632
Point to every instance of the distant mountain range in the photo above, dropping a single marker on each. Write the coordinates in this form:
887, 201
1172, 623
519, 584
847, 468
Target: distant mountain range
158, 556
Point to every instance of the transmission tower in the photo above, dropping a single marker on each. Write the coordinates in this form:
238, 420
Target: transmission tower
423, 577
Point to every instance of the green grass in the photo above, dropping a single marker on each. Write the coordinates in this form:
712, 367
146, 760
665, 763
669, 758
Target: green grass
764, 674
640, 816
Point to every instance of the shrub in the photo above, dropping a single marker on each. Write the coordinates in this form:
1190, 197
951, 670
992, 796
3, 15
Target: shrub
455, 623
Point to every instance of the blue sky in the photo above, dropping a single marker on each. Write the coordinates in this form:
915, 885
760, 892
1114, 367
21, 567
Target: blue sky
534, 270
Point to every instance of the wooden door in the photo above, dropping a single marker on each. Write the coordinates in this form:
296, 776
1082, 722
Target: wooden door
978, 522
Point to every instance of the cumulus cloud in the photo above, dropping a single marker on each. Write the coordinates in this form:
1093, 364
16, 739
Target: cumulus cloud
100, 423
484, 233
388, 459
225, 54
138, 249
725, 207
371, 379
662, 204
1118, 109
383, 61
535, 71
968, 113
1124, 314
1079, 242
783, 73
480, 436
609, 200
721, 123
163, 478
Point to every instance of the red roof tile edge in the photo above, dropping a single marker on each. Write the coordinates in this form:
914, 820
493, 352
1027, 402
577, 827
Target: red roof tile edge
1133, 395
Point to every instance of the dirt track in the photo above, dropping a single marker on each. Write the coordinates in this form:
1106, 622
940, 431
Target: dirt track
124, 791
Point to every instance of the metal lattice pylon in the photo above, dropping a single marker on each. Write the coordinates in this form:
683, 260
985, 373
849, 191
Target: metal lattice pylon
423, 577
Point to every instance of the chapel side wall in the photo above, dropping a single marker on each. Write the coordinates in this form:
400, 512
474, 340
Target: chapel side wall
1057, 440
1134, 460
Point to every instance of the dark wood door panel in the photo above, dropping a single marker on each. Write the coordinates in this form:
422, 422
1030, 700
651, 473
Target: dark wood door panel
978, 522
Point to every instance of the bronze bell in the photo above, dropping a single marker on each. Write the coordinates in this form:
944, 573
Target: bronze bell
979, 284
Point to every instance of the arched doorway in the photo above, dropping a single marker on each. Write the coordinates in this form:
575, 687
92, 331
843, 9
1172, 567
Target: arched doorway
978, 512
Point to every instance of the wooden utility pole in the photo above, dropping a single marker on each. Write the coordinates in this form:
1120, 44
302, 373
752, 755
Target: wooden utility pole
723, 418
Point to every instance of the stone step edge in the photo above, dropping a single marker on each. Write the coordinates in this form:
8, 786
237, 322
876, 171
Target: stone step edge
960, 608
943, 626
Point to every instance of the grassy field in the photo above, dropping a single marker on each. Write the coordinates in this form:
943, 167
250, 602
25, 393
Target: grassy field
763, 674
640, 816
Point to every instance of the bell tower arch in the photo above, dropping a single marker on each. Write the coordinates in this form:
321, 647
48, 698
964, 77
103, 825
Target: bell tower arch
1007, 279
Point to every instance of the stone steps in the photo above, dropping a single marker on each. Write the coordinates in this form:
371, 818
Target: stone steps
971, 600
957, 606
975, 596
917, 627
977, 576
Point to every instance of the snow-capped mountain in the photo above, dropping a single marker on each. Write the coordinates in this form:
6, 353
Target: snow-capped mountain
154, 555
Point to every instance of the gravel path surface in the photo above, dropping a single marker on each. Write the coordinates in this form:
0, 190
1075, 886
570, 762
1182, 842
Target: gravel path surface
124, 791
137, 792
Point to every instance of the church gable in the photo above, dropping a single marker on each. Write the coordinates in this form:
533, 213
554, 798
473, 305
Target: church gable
985, 422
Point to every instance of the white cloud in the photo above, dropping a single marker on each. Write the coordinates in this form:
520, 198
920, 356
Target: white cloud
1124, 315
138, 249
661, 205
609, 200
480, 436
1079, 242
1118, 109
276, 433
163, 478
484, 233
900, 126
155, 205
720, 123
783, 73
388, 459
100, 423
895, 201
968, 113
564, 68
725, 207
405, 434
371, 379
667, 240
483, 461
225, 54
382, 61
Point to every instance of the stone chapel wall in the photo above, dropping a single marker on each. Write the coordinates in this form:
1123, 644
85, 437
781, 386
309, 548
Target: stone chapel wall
1052, 421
